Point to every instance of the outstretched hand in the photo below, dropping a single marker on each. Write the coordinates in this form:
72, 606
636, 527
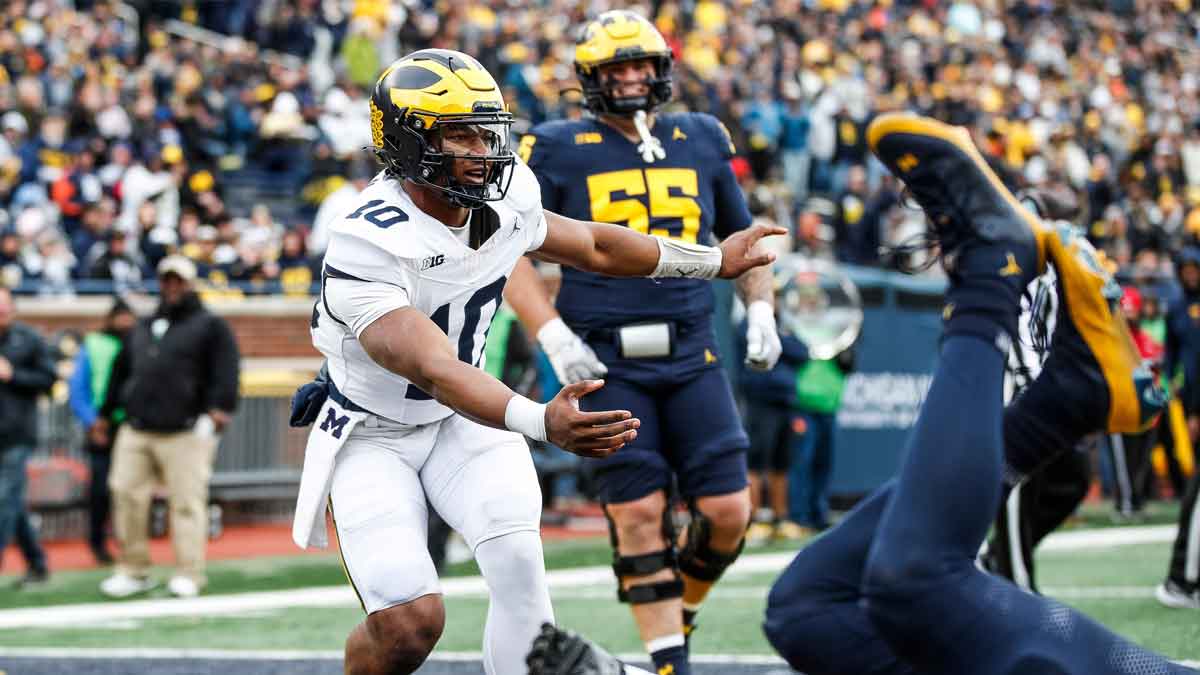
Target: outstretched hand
588, 434
738, 253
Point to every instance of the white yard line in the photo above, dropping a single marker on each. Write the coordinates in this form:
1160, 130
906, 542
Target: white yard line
313, 655
332, 655
343, 596
603, 592
1106, 538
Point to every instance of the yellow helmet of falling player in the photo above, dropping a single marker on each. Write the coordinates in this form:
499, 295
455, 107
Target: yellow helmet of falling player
422, 97
616, 36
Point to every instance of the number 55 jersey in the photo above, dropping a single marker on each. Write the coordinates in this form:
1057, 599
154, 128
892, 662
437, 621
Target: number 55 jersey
387, 254
656, 337
590, 171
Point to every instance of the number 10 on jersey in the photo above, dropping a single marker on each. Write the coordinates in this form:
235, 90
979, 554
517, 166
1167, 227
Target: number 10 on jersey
479, 309
657, 184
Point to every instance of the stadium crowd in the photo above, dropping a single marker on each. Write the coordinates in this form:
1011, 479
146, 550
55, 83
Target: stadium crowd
123, 141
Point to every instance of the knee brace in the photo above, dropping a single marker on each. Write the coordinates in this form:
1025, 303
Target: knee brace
697, 559
647, 563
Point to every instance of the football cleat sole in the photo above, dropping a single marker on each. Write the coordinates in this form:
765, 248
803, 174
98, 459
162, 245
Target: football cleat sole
960, 193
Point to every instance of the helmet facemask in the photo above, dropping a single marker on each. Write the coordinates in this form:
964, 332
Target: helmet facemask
469, 159
598, 89
444, 152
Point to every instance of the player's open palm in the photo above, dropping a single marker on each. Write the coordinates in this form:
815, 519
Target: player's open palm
589, 434
738, 253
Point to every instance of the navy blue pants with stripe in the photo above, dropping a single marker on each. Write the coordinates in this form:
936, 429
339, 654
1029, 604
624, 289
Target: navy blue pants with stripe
893, 589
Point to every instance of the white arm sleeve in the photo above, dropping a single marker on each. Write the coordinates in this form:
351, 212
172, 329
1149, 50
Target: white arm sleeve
361, 303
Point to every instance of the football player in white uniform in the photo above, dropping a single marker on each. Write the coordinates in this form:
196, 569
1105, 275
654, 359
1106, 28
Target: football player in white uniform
412, 278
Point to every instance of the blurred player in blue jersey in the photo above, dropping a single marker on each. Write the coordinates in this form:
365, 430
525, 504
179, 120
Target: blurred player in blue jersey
666, 175
893, 589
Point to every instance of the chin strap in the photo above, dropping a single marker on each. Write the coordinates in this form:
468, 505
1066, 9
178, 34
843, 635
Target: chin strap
651, 148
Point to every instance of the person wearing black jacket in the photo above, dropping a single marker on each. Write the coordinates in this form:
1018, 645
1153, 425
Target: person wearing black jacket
26, 371
177, 380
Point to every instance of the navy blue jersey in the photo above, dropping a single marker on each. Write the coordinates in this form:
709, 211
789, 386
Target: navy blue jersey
589, 171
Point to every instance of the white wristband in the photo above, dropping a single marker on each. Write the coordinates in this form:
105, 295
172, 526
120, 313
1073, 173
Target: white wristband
691, 261
526, 417
554, 334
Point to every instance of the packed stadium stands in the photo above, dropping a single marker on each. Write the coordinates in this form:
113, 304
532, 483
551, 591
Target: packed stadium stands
131, 129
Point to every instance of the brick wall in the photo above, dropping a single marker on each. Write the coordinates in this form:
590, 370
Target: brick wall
264, 327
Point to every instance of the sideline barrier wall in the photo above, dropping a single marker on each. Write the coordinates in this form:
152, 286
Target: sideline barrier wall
260, 456
896, 353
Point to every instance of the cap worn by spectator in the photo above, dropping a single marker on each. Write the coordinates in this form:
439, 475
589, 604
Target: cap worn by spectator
15, 121
179, 266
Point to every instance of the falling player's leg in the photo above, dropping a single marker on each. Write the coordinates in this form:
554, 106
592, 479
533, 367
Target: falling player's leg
920, 555
819, 594
814, 617
935, 608
950, 482
379, 514
1049, 422
980, 316
482, 481
947, 603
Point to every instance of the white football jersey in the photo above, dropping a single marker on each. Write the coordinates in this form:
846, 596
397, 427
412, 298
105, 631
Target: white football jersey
386, 254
